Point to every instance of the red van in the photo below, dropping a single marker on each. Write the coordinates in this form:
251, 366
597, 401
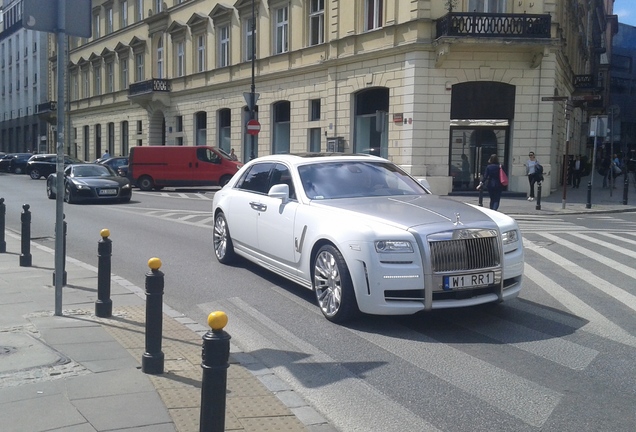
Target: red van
158, 166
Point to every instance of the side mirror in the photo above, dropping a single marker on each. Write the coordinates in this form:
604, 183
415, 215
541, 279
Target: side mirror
280, 191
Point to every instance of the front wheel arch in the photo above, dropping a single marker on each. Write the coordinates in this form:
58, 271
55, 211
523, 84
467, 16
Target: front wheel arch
337, 300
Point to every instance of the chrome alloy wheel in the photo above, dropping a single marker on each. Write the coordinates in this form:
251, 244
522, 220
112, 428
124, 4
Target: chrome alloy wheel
223, 248
327, 283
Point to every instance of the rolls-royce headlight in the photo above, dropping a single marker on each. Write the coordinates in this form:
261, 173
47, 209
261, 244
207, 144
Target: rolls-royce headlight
393, 246
511, 236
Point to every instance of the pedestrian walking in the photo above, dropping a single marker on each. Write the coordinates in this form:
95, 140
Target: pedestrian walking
604, 169
492, 181
232, 155
531, 172
576, 172
106, 155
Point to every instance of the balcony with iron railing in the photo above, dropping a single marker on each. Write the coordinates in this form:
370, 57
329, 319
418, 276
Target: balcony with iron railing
46, 107
147, 92
494, 25
153, 85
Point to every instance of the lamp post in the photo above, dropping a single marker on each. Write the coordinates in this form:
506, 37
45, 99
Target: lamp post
253, 86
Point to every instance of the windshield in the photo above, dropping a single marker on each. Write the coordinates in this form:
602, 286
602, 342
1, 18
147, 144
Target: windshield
356, 179
92, 171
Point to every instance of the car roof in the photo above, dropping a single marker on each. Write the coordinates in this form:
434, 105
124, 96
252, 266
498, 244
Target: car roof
307, 158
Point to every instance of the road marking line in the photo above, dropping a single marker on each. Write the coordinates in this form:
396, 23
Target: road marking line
627, 299
597, 323
302, 364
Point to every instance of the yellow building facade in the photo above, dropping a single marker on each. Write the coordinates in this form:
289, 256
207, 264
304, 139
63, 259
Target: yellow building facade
435, 86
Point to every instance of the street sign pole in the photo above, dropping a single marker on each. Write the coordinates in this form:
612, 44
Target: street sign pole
567, 149
53, 16
59, 186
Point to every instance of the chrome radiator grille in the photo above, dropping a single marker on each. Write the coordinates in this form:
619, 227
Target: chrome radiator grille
464, 254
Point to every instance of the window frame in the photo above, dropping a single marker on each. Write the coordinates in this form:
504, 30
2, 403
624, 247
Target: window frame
224, 46
373, 14
281, 29
316, 20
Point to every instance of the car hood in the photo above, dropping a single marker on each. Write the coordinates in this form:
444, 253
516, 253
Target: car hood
100, 182
410, 211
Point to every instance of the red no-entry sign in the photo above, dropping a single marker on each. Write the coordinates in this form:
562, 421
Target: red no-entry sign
253, 127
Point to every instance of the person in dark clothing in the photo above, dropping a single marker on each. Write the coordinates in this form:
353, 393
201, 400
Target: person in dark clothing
492, 182
577, 169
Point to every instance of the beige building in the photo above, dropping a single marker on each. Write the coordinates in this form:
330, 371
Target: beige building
421, 82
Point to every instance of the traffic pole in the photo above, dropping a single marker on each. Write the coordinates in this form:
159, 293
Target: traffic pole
215, 362
3, 211
25, 219
152, 359
104, 305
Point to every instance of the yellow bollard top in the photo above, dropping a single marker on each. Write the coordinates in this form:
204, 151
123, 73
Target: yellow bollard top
105, 233
154, 263
217, 320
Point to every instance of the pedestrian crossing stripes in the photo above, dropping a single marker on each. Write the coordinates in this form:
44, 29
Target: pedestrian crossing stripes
551, 275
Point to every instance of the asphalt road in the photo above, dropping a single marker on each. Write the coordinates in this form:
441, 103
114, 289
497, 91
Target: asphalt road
560, 358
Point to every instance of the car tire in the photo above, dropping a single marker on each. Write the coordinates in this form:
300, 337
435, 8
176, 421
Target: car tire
35, 174
145, 183
225, 180
333, 286
17, 170
223, 246
49, 191
68, 195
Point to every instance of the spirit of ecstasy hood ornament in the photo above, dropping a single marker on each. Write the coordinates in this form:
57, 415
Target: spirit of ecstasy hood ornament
457, 221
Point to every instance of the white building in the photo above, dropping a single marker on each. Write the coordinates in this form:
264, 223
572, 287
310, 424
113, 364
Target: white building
24, 74
409, 80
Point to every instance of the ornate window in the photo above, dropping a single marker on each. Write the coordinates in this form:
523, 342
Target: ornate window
373, 14
224, 46
491, 6
316, 22
180, 65
160, 57
123, 14
200, 53
281, 30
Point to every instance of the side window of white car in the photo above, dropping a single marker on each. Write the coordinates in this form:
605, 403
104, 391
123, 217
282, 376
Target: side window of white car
281, 175
257, 178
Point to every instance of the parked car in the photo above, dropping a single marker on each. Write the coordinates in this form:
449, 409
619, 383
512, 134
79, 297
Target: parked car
365, 236
41, 165
114, 162
153, 167
90, 182
16, 162
4, 161
123, 170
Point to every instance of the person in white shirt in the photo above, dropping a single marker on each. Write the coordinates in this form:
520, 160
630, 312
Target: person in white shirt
106, 155
530, 172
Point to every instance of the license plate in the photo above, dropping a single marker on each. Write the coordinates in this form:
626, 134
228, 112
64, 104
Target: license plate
469, 280
108, 191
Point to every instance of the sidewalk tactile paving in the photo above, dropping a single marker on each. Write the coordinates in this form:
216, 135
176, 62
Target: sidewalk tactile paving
249, 405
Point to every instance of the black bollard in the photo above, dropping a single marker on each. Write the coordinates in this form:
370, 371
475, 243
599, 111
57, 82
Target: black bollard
215, 362
3, 212
481, 195
63, 254
588, 205
625, 189
152, 359
538, 206
25, 255
104, 305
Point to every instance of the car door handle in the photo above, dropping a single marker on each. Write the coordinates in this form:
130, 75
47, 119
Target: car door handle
258, 206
